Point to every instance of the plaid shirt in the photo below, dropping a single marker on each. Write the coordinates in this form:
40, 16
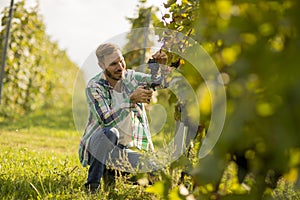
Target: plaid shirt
102, 114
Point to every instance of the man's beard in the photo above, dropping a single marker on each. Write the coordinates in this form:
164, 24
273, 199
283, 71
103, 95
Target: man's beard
111, 76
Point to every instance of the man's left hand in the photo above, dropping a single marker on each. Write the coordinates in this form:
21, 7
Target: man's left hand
160, 57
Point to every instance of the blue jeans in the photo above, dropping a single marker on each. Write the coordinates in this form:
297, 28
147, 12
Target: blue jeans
104, 143
97, 164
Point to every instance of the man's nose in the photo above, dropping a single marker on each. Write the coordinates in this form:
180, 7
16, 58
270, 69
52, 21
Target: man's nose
120, 65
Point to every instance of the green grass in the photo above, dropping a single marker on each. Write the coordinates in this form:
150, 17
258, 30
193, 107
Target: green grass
38, 157
39, 160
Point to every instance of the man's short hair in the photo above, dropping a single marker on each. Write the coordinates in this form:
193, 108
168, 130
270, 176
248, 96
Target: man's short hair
105, 49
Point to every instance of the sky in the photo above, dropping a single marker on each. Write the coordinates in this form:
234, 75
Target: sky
79, 26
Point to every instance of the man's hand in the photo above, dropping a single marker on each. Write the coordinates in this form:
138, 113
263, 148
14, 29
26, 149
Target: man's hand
160, 57
141, 95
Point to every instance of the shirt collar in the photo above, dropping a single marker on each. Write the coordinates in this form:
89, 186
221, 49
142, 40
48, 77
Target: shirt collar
103, 81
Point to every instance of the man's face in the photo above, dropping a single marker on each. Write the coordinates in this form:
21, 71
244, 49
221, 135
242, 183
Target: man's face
115, 65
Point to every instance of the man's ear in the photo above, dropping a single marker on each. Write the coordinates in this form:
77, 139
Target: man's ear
101, 65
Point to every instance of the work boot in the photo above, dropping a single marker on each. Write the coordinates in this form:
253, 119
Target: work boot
92, 187
109, 178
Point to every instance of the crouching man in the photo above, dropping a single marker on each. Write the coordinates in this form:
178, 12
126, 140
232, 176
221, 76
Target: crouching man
117, 119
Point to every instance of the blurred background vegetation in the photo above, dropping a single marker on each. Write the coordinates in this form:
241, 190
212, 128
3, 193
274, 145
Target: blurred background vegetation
255, 45
37, 73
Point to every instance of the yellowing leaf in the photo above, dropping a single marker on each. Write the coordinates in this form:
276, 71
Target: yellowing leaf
224, 8
230, 54
174, 194
264, 109
157, 188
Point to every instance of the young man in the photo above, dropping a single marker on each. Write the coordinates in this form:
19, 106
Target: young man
117, 118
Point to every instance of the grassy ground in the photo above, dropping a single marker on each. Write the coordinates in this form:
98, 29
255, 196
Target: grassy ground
39, 160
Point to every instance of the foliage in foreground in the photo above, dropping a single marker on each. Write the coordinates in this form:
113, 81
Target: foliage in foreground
255, 46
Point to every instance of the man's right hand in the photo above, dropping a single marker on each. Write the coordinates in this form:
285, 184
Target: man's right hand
141, 95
